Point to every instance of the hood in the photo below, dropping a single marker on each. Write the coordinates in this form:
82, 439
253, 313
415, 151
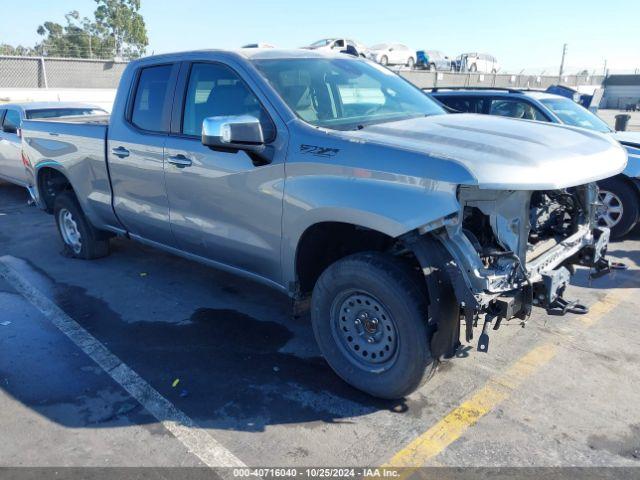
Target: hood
503, 153
628, 138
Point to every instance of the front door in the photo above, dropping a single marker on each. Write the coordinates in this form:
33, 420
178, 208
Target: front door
136, 155
224, 206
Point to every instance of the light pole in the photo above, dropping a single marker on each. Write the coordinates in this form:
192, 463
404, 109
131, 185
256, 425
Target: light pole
564, 54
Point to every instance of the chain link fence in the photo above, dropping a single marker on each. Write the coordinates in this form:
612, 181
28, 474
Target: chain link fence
47, 72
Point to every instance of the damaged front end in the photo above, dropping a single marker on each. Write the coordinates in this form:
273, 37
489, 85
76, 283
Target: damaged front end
511, 250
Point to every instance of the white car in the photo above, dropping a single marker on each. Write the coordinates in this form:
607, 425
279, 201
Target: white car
337, 44
392, 54
12, 168
478, 62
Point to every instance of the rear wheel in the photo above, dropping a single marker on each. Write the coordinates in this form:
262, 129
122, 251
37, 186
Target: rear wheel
620, 206
369, 316
79, 238
411, 63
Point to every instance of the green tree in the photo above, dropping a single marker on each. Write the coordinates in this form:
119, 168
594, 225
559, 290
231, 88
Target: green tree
6, 49
118, 30
121, 20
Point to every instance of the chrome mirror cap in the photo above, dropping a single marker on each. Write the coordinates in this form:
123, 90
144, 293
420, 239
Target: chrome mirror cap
242, 132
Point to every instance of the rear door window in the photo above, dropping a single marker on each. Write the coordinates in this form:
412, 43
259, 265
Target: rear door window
152, 101
464, 104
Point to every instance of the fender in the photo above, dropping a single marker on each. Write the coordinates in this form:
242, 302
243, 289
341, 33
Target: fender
391, 208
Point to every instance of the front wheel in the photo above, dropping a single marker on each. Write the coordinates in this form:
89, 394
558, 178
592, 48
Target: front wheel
369, 317
79, 238
384, 61
411, 63
620, 209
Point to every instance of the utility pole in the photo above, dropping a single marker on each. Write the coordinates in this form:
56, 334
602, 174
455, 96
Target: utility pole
564, 54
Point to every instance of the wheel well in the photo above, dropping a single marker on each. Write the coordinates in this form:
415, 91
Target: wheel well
50, 184
633, 183
324, 243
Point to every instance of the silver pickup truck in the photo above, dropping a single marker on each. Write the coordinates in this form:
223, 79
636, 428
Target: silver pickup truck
334, 180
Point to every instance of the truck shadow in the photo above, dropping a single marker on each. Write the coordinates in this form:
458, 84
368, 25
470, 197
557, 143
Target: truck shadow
231, 369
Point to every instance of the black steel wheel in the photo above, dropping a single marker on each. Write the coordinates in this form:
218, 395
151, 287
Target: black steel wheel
369, 314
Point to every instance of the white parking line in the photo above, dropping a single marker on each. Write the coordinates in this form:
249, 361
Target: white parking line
196, 440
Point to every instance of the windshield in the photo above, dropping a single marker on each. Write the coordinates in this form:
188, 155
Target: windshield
321, 43
573, 114
63, 112
345, 94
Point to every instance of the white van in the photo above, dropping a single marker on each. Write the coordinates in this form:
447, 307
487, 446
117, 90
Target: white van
478, 62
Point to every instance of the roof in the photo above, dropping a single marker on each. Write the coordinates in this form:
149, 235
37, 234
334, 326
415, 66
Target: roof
27, 106
250, 54
537, 94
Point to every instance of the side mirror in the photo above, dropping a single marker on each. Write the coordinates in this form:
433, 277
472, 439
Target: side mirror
234, 132
10, 129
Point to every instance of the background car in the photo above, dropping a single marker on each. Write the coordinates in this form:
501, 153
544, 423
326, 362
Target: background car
433, 60
392, 54
620, 195
337, 44
477, 62
11, 116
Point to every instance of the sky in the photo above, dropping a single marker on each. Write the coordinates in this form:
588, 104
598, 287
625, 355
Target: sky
524, 35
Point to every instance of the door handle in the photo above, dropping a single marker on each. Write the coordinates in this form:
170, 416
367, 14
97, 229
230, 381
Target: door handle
180, 161
120, 152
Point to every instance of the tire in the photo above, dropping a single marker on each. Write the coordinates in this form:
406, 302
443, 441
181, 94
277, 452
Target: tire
617, 194
432, 67
384, 61
473, 68
394, 297
79, 238
411, 63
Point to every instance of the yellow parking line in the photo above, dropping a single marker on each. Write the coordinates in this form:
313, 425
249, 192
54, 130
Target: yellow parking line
454, 424
497, 389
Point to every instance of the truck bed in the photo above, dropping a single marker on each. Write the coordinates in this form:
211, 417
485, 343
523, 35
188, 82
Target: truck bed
76, 145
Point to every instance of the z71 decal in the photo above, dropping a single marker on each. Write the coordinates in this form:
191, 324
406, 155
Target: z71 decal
319, 151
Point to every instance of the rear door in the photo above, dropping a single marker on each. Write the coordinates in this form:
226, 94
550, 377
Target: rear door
11, 166
225, 206
136, 154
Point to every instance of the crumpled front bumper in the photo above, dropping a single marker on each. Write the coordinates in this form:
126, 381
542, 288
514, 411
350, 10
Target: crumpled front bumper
543, 279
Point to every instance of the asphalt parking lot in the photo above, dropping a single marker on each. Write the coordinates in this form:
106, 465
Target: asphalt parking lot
252, 387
